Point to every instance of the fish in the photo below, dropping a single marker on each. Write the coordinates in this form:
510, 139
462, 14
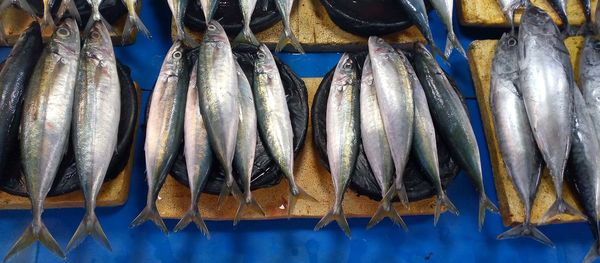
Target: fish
395, 99
96, 16
47, 20
287, 36
589, 77
218, 94
209, 7
133, 20
587, 10
522, 159
560, 7
416, 11
444, 9
96, 116
274, 123
508, 9
424, 144
584, 169
245, 146
71, 7
546, 83
198, 154
164, 129
23, 4
178, 8
45, 125
246, 35
14, 77
376, 147
343, 135
452, 122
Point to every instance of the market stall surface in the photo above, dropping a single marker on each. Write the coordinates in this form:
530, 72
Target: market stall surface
454, 238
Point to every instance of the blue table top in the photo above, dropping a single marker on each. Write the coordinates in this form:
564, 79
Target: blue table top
454, 239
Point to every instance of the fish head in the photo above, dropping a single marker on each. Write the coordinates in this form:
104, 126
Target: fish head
265, 63
215, 33
66, 40
536, 21
379, 47
175, 60
98, 42
506, 57
345, 71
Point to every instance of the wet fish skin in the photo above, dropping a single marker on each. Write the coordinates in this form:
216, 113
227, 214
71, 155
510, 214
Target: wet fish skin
508, 9
209, 7
197, 152
343, 135
178, 8
164, 129
14, 77
587, 10
589, 76
546, 83
287, 36
47, 20
71, 7
133, 20
395, 99
560, 6
219, 101
417, 12
452, 122
45, 125
522, 159
246, 35
445, 9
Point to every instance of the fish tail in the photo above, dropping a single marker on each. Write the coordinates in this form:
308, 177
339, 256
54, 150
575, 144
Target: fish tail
296, 193
246, 36
288, 37
443, 200
89, 226
150, 213
192, 215
526, 230
485, 203
560, 207
68, 5
402, 195
336, 214
251, 203
34, 232
47, 21
387, 210
133, 20
453, 43
436, 50
96, 16
228, 188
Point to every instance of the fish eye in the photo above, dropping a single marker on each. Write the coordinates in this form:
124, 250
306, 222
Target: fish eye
380, 40
212, 27
597, 45
177, 55
95, 35
512, 42
63, 32
261, 55
347, 65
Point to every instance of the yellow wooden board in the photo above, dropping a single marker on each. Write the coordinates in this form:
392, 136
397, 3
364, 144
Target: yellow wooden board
15, 21
174, 198
487, 13
112, 193
480, 55
317, 32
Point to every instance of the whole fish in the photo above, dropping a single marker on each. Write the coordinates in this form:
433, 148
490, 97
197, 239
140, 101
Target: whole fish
560, 6
198, 154
14, 77
246, 35
133, 20
245, 147
218, 94
395, 98
589, 77
508, 8
417, 13
377, 149
424, 144
521, 156
546, 84
343, 135
452, 122
287, 36
45, 126
584, 169
274, 123
96, 115
164, 129
178, 8
209, 7
444, 9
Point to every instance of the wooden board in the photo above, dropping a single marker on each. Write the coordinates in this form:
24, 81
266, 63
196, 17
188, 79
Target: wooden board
174, 198
317, 32
488, 13
480, 59
112, 193
15, 21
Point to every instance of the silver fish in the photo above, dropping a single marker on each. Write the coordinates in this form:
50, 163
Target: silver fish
45, 125
395, 98
560, 6
521, 156
198, 154
589, 77
96, 115
343, 135
133, 20
219, 101
246, 35
178, 8
47, 20
274, 123
417, 13
71, 7
164, 129
377, 149
209, 7
287, 36
96, 16
546, 84
444, 9
508, 8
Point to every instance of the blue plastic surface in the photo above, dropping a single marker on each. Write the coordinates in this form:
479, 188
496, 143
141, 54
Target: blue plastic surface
454, 239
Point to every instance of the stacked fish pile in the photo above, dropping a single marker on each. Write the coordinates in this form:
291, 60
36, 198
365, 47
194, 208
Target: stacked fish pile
541, 116
509, 8
393, 109
209, 8
219, 114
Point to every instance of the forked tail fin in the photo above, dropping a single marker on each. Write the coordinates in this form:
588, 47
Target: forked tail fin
485, 203
526, 230
296, 193
560, 207
192, 215
150, 213
34, 232
89, 226
387, 210
443, 200
250, 203
338, 216
68, 5
402, 195
453, 43
229, 188
134, 21
47, 21
246, 36
288, 37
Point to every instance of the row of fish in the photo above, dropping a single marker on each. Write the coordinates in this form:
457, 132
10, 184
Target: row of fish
395, 109
209, 7
58, 92
541, 116
219, 114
